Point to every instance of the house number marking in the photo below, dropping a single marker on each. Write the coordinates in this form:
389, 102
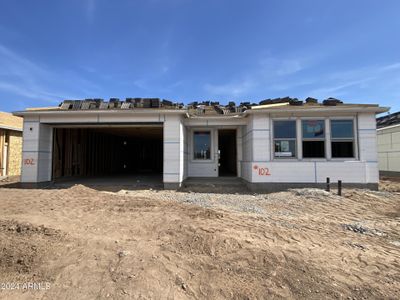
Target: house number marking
29, 162
262, 171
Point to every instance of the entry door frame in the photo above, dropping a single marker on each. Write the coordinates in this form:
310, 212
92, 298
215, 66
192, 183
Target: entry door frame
236, 130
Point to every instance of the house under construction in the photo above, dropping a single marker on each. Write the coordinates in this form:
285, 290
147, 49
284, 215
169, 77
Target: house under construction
271, 145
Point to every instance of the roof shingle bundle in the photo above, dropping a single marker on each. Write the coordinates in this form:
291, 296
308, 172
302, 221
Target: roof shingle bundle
115, 103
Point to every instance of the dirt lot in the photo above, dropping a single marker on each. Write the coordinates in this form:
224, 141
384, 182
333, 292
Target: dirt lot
304, 244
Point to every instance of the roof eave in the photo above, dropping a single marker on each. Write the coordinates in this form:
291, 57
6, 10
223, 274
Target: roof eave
358, 109
10, 128
83, 112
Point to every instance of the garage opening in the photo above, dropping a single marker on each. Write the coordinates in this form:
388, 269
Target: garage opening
105, 151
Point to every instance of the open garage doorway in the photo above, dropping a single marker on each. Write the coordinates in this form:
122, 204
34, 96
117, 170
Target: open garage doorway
108, 154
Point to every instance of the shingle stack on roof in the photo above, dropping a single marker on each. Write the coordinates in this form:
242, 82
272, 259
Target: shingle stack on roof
332, 102
194, 108
389, 120
215, 108
297, 102
115, 103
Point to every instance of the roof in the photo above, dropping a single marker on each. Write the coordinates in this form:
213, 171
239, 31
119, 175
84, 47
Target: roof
204, 108
389, 120
8, 121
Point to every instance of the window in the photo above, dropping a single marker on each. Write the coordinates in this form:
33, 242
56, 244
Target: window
202, 144
285, 139
342, 135
313, 138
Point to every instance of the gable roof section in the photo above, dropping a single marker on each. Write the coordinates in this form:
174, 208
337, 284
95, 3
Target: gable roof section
8, 121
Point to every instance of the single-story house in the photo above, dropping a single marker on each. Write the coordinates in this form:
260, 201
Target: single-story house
10, 145
389, 144
272, 145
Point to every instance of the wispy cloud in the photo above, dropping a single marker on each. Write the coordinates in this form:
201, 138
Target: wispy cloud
22, 77
337, 89
234, 89
90, 9
394, 66
268, 71
281, 67
343, 82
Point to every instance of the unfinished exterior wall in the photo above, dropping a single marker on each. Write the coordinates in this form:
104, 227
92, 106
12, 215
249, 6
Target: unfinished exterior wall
36, 151
10, 152
256, 161
174, 133
389, 149
38, 141
262, 171
14, 153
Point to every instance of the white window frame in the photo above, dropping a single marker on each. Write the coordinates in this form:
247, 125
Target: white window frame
296, 157
354, 139
328, 141
324, 139
196, 160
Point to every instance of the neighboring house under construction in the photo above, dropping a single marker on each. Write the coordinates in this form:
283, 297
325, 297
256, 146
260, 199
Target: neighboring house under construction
389, 144
10, 144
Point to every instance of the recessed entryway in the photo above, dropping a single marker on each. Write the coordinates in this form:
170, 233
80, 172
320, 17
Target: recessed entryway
227, 153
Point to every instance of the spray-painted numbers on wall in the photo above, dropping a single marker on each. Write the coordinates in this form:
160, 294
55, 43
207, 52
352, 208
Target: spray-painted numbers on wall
262, 171
29, 162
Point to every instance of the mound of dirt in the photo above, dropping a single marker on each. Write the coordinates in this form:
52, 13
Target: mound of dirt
390, 185
23, 249
311, 192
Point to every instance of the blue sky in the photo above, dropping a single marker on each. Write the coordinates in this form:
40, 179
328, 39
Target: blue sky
188, 50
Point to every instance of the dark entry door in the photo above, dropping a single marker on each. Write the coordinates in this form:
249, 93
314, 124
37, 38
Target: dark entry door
227, 152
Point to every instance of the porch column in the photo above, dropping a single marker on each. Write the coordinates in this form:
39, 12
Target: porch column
173, 152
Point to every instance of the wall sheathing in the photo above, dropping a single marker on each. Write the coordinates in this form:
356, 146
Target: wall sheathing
173, 151
14, 153
36, 151
254, 142
258, 154
389, 149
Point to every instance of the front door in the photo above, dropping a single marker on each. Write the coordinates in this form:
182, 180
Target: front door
227, 160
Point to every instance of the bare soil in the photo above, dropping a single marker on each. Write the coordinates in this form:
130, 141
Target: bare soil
300, 244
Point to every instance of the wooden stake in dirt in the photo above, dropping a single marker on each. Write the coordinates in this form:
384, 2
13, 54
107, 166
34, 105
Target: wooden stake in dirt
339, 191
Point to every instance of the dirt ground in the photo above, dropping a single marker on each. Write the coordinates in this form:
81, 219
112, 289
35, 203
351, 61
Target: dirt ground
299, 244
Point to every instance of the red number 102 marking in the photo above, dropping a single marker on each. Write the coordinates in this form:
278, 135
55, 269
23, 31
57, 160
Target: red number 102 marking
29, 161
264, 172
